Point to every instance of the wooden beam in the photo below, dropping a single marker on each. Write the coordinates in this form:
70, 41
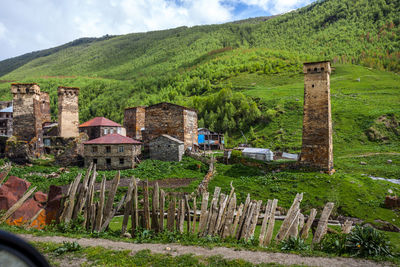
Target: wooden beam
323, 223
306, 228
271, 223
17, 205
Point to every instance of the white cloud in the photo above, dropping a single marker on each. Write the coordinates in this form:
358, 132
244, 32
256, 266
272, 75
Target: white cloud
3, 30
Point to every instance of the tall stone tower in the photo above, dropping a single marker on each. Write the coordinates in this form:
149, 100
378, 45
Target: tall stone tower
68, 111
27, 121
45, 107
134, 121
316, 151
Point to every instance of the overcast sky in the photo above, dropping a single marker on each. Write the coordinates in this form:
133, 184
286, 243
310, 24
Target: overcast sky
31, 25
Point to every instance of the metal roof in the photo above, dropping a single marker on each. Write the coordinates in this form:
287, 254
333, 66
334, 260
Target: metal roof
99, 121
7, 109
256, 150
112, 139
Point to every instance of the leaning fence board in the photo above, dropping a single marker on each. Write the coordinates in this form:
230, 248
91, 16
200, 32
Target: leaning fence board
72, 193
135, 207
89, 201
301, 221
112, 213
111, 195
17, 205
146, 207
236, 221
323, 223
254, 220
294, 228
99, 214
128, 206
267, 215
225, 212
194, 215
215, 213
203, 211
290, 216
221, 212
226, 230
171, 213
247, 222
213, 209
243, 217
162, 209
188, 225
181, 214
307, 225
80, 201
271, 224
92, 216
155, 208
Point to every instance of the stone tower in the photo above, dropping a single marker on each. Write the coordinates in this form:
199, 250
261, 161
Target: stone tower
68, 111
134, 121
45, 107
316, 151
27, 121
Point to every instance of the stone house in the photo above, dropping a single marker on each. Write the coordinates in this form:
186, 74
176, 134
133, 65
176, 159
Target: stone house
100, 126
162, 118
112, 152
6, 120
166, 148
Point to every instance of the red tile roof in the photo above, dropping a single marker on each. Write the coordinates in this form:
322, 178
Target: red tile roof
111, 139
99, 121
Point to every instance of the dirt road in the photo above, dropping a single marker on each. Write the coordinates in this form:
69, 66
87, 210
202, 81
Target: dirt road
228, 253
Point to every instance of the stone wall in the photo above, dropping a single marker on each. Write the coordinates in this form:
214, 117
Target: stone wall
68, 111
134, 121
99, 152
27, 122
163, 148
316, 149
45, 107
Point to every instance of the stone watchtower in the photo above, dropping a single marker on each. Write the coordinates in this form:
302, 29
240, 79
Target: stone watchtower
134, 122
27, 121
316, 151
68, 111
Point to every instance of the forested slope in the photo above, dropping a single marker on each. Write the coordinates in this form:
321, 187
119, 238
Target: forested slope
241, 76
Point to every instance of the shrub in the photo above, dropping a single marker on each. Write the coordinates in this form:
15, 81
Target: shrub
366, 241
333, 243
67, 247
293, 244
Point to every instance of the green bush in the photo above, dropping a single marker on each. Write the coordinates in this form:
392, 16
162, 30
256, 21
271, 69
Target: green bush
293, 244
333, 243
67, 247
367, 242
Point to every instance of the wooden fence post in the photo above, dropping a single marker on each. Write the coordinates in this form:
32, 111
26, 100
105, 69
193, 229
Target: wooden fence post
102, 196
171, 213
71, 204
236, 221
188, 225
289, 219
271, 224
146, 208
267, 215
82, 193
227, 227
155, 208
203, 212
243, 217
254, 220
181, 215
111, 195
135, 207
128, 207
194, 215
162, 209
323, 223
307, 226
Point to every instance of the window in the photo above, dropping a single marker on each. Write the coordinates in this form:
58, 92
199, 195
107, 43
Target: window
94, 161
105, 131
108, 161
94, 149
119, 130
111, 131
121, 161
47, 142
312, 86
108, 149
121, 149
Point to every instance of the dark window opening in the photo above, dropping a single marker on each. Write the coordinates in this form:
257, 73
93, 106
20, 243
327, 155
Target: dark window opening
94, 148
312, 86
121, 161
315, 69
94, 161
322, 69
108, 149
108, 161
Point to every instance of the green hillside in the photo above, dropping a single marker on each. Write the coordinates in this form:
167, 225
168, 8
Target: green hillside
243, 76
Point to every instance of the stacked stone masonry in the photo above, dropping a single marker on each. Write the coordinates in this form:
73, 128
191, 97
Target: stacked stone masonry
316, 149
166, 148
134, 122
68, 111
163, 118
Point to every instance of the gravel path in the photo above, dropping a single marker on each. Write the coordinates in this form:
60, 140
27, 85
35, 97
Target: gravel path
228, 253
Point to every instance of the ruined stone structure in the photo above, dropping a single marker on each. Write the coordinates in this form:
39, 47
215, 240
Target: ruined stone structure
134, 120
112, 152
45, 107
27, 118
6, 119
166, 118
68, 111
100, 126
316, 151
166, 148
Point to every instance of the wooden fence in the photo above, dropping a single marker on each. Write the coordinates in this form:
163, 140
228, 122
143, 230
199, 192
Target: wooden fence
219, 214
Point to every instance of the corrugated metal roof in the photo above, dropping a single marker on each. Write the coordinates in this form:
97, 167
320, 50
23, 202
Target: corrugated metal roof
7, 109
111, 139
256, 150
99, 121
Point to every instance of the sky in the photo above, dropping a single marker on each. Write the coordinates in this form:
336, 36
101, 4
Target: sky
31, 25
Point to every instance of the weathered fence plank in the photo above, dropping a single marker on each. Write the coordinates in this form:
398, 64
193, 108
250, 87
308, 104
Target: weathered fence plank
17, 205
203, 212
271, 223
194, 215
146, 208
323, 223
236, 221
111, 195
188, 225
135, 208
267, 215
181, 215
306, 228
226, 230
254, 220
99, 213
80, 201
162, 210
290, 216
243, 217
171, 213
128, 206
155, 208
72, 193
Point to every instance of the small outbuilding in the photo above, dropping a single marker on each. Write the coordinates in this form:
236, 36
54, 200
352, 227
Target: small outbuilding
112, 152
166, 148
258, 153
